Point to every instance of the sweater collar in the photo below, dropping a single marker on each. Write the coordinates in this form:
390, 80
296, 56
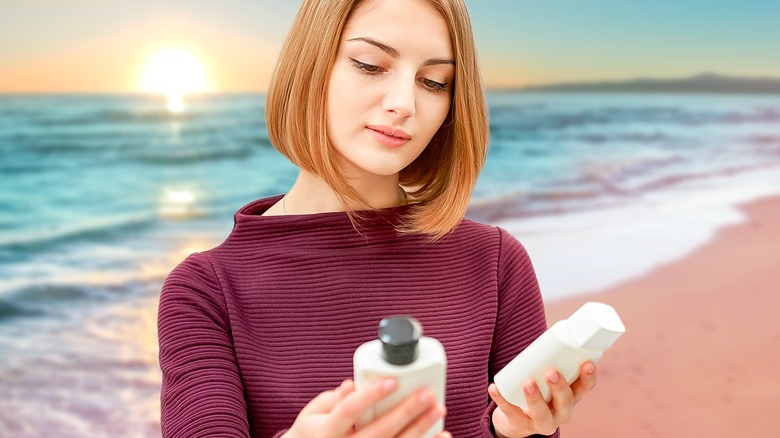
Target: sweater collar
328, 228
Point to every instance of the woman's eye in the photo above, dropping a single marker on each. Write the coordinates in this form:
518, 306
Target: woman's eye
434, 86
366, 68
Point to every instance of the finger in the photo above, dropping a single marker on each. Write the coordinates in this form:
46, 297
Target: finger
586, 381
444, 434
562, 397
345, 388
424, 422
326, 400
350, 408
413, 415
538, 410
507, 408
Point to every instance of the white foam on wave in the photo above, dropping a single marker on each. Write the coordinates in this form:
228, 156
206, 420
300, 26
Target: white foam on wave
590, 250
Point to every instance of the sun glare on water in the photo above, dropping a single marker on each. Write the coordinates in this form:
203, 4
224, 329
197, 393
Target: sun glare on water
175, 73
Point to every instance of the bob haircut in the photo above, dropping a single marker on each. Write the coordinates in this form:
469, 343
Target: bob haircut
440, 181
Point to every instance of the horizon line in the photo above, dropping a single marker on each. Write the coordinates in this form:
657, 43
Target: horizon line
519, 87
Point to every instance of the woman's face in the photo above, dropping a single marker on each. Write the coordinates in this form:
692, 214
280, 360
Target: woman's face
390, 87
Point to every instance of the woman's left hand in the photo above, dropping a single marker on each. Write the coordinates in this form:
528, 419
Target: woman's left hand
541, 417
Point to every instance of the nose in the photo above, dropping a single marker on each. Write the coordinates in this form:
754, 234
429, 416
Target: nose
399, 97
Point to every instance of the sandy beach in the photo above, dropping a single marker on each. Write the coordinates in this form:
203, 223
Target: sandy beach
702, 341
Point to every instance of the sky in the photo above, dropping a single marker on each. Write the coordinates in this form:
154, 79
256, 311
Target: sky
105, 45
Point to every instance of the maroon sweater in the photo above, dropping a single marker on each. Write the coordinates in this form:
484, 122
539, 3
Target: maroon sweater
253, 329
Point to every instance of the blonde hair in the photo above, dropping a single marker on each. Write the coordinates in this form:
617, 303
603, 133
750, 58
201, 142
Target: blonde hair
440, 181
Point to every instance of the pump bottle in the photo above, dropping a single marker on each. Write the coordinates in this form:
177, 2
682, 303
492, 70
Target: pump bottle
403, 353
565, 346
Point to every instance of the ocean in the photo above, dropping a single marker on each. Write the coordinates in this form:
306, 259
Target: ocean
101, 195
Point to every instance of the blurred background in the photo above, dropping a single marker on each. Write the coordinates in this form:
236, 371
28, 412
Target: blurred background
131, 131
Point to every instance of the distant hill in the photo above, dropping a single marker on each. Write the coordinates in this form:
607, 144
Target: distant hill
705, 83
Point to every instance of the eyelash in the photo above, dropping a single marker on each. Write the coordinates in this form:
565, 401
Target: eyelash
372, 70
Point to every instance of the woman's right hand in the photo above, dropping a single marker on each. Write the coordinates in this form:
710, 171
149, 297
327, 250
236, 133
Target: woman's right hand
332, 414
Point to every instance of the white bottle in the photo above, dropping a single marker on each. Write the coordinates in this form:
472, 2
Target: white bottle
565, 347
403, 353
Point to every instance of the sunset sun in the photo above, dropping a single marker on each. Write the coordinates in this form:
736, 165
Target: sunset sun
175, 73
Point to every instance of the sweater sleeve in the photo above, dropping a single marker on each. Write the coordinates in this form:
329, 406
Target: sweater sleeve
202, 392
521, 318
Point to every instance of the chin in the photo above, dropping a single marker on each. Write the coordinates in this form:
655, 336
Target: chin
383, 171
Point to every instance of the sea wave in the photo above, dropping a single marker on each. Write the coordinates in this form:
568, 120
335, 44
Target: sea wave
119, 116
191, 154
91, 229
605, 186
39, 300
11, 310
108, 116
9, 167
65, 148
519, 122
765, 144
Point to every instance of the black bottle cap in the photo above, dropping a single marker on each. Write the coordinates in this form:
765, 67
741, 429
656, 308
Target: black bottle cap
399, 336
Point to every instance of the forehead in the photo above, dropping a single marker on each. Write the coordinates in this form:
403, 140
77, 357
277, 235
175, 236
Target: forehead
404, 23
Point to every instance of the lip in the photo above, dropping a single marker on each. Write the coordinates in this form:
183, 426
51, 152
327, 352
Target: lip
389, 136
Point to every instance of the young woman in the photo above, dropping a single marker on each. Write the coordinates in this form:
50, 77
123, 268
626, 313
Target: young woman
381, 106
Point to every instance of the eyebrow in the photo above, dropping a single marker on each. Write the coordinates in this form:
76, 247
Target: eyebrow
395, 54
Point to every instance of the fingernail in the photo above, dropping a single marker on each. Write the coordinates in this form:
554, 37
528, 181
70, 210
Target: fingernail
553, 378
436, 413
530, 387
388, 385
424, 398
590, 368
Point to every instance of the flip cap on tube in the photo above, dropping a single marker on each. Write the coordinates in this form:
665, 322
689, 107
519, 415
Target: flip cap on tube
400, 336
595, 326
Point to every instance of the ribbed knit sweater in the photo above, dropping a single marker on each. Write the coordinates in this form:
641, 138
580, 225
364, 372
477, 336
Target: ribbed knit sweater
253, 329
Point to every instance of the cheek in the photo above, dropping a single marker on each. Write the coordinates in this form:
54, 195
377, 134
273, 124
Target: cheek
342, 84
437, 115
335, 106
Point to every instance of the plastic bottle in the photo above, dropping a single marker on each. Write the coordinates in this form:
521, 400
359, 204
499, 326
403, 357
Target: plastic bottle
565, 346
403, 353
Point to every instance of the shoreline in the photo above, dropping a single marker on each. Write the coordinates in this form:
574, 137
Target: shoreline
596, 248
699, 340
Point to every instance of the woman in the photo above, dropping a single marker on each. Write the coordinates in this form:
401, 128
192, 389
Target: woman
380, 104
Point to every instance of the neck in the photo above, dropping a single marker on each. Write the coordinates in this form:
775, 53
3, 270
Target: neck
310, 194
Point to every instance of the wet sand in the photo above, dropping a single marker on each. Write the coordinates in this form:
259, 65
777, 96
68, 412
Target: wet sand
702, 344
